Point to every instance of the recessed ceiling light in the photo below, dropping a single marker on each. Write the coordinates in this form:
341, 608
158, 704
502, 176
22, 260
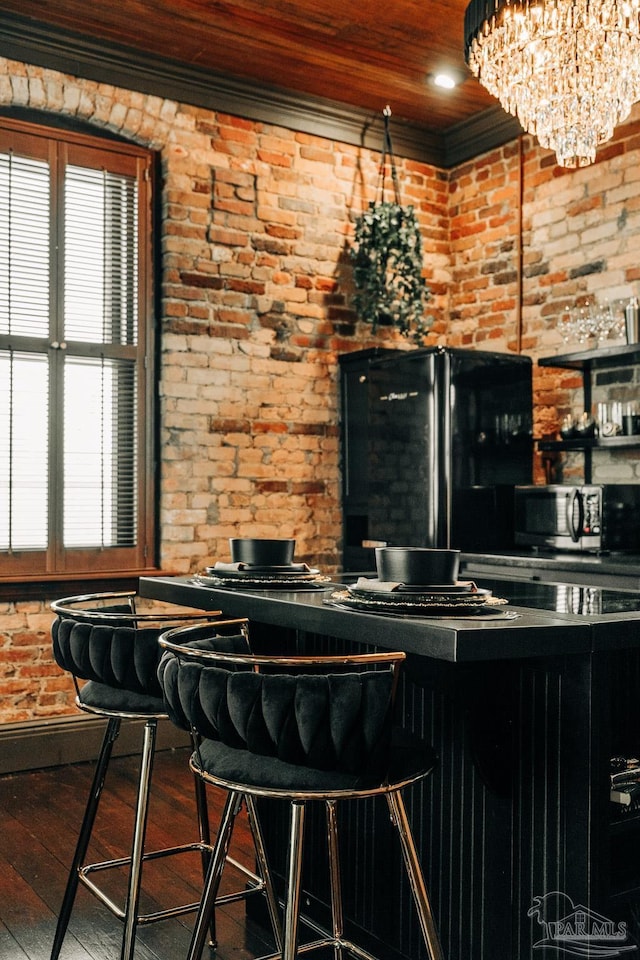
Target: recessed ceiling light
444, 80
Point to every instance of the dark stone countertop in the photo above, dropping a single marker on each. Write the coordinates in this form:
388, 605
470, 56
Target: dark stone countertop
620, 569
454, 639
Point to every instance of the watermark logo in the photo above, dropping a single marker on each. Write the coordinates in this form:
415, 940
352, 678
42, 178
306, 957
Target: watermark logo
576, 931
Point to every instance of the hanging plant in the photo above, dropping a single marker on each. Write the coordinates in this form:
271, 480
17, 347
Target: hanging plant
387, 261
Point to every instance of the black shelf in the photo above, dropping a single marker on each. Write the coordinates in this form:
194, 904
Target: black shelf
590, 443
593, 359
585, 362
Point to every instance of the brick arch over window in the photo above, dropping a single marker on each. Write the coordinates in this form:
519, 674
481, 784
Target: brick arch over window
141, 118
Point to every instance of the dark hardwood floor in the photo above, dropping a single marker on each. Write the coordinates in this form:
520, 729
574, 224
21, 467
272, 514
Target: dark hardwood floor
40, 814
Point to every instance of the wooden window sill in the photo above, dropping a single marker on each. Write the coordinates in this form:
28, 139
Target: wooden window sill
61, 585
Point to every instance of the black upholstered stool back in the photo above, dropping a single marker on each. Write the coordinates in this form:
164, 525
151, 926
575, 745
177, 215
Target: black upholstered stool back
105, 639
331, 722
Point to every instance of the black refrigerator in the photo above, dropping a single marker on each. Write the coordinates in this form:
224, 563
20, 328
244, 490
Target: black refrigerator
432, 442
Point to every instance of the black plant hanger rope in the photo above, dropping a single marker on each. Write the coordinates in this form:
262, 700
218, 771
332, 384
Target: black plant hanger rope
387, 257
388, 157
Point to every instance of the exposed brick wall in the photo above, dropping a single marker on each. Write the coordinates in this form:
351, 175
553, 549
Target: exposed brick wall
256, 307
516, 265
484, 250
31, 686
580, 240
256, 310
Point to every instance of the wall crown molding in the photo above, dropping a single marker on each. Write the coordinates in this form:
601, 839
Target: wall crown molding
30, 41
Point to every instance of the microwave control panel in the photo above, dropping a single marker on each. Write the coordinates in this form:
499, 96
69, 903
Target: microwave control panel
591, 505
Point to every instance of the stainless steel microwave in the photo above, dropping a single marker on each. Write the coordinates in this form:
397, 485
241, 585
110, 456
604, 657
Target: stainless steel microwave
593, 518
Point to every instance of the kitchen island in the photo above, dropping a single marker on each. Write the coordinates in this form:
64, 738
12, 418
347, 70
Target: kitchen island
524, 714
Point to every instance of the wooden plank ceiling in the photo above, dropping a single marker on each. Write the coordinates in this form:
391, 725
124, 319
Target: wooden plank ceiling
364, 55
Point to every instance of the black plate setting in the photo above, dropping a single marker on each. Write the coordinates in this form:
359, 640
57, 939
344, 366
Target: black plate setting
442, 589
418, 606
262, 573
250, 581
462, 592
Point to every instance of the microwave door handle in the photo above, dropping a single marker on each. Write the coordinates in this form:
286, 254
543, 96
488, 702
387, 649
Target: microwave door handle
572, 500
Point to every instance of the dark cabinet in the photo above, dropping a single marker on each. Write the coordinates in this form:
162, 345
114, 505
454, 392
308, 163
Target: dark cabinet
354, 450
432, 442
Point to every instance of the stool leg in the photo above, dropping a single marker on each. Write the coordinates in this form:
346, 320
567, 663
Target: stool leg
334, 874
416, 877
263, 869
212, 881
82, 845
204, 833
292, 905
139, 832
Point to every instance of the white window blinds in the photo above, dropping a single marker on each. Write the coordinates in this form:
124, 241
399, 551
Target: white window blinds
24, 245
73, 460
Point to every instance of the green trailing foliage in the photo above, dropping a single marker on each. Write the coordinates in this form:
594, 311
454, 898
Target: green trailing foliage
387, 270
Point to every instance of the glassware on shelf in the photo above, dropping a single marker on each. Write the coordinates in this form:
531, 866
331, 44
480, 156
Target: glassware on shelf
630, 419
612, 419
568, 428
631, 320
585, 426
592, 320
578, 324
586, 322
565, 325
578, 426
608, 320
609, 418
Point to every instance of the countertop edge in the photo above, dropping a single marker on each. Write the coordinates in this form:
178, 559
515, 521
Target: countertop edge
532, 634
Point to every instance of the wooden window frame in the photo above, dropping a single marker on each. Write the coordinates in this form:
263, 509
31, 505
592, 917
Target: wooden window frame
32, 573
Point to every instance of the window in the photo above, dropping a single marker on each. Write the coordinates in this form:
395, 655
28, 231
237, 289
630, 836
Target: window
75, 354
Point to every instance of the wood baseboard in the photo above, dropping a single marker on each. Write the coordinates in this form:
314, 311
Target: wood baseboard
50, 743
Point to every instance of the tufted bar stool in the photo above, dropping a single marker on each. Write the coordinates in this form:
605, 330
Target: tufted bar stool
300, 729
112, 653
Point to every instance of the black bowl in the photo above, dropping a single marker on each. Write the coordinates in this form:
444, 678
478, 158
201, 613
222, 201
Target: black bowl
262, 553
418, 565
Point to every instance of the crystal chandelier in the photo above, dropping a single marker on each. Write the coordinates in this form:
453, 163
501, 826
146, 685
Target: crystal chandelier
569, 70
